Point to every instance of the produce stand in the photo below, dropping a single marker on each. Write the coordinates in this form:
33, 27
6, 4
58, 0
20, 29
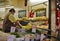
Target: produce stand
34, 36
32, 32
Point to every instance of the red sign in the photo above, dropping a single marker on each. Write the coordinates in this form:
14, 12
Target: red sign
58, 17
31, 14
58, 13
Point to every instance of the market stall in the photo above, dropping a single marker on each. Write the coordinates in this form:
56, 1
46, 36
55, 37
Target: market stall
33, 24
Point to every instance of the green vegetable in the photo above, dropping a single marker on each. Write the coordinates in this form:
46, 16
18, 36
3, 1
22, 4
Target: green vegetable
15, 33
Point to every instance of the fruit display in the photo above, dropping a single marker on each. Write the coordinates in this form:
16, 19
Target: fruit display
29, 26
41, 21
43, 27
43, 18
38, 22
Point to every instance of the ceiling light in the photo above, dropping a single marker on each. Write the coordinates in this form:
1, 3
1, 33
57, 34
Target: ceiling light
37, 1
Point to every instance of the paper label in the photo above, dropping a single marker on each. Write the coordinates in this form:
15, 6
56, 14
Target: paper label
42, 37
19, 39
27, 38
22, 30
12, 29
34, 29
37, 36
11, 38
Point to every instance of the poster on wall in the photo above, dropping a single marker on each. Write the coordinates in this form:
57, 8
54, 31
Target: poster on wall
41, 13
21, 13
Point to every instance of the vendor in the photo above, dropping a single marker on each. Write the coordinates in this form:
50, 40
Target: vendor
9, 21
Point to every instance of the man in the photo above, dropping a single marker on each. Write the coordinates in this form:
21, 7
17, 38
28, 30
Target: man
9, 21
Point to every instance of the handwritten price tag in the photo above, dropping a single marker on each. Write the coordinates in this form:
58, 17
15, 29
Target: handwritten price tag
27, 38
12, 29
11, 38
34, 29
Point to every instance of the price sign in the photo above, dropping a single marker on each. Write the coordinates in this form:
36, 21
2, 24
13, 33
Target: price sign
12, 29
